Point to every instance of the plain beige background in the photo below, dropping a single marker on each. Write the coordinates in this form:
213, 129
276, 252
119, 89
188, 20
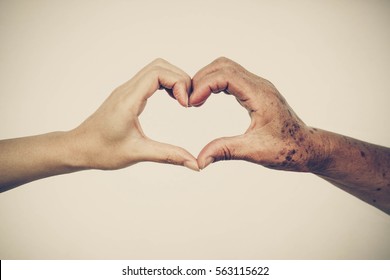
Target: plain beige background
59, 60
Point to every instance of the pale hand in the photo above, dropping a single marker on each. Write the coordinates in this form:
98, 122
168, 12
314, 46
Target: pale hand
112, 137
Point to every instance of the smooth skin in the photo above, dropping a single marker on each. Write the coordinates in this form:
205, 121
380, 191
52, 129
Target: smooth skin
111, 138
277, 138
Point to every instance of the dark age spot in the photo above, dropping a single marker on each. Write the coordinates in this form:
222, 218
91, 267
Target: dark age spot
291, 152
293, 130
374, 200
282, 152
362, 154
378, 189
384, 174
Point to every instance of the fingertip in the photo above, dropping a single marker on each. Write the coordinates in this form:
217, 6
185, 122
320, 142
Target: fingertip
191, 99
191, 164
182, 101
186, 100
205, 162
181, 95
196, 102
200, 94
225, 148
206, 156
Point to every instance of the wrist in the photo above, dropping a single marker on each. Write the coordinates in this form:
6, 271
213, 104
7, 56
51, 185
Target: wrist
319, 151
75, 151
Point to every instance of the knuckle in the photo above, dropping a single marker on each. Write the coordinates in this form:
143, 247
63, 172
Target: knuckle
183, 81
222, 60
180, 79
226, 66
159, 61
187, 79
268, 83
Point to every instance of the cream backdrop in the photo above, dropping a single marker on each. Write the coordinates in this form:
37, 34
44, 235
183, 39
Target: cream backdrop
59, 60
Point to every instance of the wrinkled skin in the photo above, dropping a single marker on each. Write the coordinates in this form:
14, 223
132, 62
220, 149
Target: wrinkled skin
276, 137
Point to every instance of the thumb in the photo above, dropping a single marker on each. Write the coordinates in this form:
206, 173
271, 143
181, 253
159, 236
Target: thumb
225, 148
165, 153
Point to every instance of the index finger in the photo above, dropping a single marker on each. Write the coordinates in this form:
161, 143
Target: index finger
161, 74
222, 75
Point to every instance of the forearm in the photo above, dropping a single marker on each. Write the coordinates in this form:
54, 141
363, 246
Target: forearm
26, 159
357, 167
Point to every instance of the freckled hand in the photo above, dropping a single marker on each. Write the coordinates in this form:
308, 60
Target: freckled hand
276, 137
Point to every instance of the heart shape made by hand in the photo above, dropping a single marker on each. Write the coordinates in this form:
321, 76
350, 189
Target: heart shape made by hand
276, 137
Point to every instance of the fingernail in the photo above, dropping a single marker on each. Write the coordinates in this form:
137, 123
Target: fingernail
207, 162
190, 101
186, 100
191, 165
197, 104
